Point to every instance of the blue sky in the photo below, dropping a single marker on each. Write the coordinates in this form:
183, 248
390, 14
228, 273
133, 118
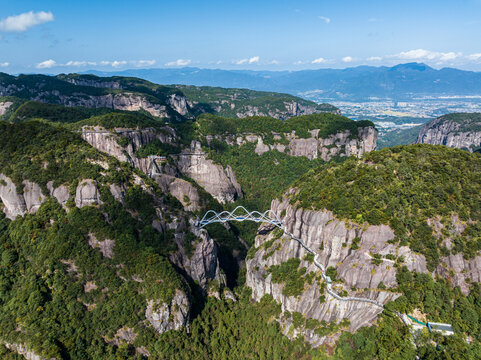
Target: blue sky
67, 36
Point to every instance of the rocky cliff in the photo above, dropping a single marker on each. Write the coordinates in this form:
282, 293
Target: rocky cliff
289, 109
4, 107
339, 144
454, 130
345, 246
95, 94
218, 181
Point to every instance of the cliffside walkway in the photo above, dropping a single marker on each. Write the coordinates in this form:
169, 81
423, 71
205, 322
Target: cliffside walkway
240, 213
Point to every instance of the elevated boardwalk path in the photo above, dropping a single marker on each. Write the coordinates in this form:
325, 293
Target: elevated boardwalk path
240, 213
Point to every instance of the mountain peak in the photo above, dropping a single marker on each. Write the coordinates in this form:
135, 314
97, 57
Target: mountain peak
412, 66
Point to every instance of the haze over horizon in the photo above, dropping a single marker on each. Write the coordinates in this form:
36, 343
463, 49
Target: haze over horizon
53, 37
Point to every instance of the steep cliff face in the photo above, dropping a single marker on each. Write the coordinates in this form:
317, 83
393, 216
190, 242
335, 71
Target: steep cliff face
23, 350
454, 130
93, 82
348, 247
173, 108
4, 106
193, 163
201, 264
169, 316
313, 147
123, 101
288, 110
218, 181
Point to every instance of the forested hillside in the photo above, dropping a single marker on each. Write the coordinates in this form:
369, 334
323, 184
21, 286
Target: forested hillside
172, 103
101, 258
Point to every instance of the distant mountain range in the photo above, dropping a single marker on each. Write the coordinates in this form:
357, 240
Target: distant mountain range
400, 82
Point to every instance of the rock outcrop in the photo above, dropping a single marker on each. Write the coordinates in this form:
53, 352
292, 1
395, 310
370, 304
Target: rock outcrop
23, 350
13, 203
124, 100
463, 132
458, 269
169, 316
343, 245
155, 167
218, 181
291, 108
87, 194
186, 193
338, 144
61, 193
33, 196
4, 106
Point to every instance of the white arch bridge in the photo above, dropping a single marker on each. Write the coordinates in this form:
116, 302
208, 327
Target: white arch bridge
241, 214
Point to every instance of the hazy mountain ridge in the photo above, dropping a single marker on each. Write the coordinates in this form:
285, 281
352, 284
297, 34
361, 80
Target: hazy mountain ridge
403, 81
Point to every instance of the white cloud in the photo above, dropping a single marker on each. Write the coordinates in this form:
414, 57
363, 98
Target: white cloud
179, 62
252, 60
325, 19
242, 61
47, 64
4, 64
298, 62
274, 62
422, 54
141, 63
319, 60
117, 63
347, 59
474, 57
374, 58
77, 63
21, 22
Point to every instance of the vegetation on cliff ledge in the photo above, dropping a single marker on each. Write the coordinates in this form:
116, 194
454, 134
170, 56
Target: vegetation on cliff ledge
403, 186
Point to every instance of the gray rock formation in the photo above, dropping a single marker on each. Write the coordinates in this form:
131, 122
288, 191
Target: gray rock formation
94, 83
202, 264
118, 192
23, 350
292, 108
153, 166
178, 102
61, 193
332, 239
87, 194
169, 316
464, 134
186, 193
13, 203
106, 246
123, 100
339, 144
33, 196
4, 107
217, 181
463, 269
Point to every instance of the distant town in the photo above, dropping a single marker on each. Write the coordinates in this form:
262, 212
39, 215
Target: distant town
389, 114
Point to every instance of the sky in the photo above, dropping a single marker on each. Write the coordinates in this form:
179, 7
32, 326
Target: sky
40, 36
